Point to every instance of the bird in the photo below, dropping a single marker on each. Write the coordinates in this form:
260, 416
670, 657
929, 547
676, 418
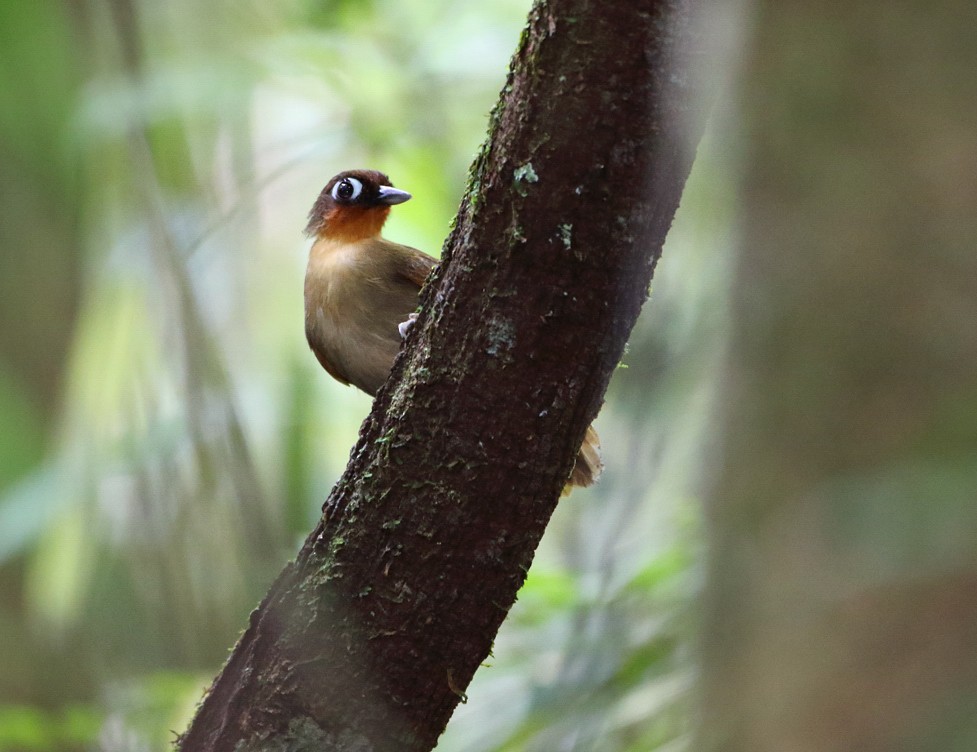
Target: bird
361, 291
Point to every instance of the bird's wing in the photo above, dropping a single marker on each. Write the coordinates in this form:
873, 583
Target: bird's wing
416, 266
331, 369
320, 353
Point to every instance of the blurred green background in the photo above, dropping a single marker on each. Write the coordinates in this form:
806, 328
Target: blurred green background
166, 438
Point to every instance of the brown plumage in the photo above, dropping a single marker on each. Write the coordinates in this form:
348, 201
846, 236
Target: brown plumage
360, 288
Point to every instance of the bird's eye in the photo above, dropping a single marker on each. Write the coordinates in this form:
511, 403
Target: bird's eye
347, 189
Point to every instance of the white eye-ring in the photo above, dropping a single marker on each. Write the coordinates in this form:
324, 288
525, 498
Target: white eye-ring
347, 189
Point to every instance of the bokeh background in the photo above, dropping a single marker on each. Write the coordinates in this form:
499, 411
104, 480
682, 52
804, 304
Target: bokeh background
167, 439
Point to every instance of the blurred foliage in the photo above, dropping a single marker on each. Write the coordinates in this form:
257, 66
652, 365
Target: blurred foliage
166, 437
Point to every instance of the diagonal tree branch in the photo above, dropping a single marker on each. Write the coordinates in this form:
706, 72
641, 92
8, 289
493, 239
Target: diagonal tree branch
369, 638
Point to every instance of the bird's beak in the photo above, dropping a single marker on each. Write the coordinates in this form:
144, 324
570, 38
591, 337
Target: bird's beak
390, 195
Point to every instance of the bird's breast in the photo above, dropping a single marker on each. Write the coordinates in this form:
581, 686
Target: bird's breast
352, 309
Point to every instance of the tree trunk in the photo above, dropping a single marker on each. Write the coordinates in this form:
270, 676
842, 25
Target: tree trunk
369, 639
841, 612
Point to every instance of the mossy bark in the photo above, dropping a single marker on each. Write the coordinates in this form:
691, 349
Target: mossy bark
368, 640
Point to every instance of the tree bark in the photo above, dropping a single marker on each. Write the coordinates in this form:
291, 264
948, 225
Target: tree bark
841, 610
369, 638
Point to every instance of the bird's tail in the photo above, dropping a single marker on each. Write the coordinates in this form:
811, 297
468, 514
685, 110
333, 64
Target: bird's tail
589, 465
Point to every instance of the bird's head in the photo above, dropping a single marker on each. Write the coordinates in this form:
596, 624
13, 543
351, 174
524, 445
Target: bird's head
353, 206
